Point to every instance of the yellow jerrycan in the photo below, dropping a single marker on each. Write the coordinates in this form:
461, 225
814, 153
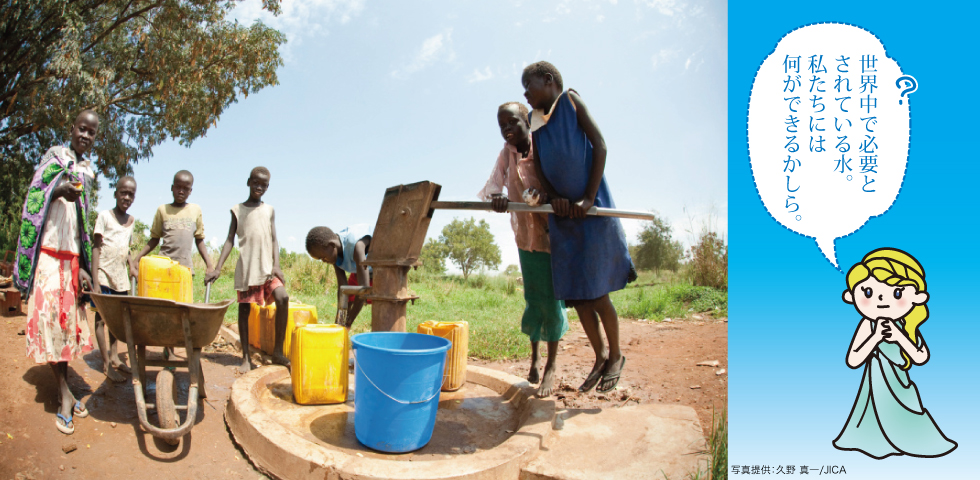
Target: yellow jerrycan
255, 314
267, 319
299, 314
319, 364
458, 333
161, 277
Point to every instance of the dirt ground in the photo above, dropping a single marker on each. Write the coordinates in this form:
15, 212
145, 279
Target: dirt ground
661, 367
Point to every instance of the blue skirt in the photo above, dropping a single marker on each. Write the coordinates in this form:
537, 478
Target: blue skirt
589, 257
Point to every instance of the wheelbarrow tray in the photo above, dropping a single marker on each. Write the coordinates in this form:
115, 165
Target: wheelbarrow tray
156, 322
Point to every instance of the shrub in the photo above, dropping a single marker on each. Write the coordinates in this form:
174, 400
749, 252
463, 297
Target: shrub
657, 248
709, 261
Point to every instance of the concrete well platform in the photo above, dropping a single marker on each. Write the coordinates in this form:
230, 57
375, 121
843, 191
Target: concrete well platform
630, 443
489, 429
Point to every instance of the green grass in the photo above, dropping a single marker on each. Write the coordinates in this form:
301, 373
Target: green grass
493, 305
718, 447
659, 296
717, 451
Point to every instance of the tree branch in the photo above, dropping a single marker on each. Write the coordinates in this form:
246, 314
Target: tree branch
120, 21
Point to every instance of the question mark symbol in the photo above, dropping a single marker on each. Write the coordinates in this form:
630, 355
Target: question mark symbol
910, 85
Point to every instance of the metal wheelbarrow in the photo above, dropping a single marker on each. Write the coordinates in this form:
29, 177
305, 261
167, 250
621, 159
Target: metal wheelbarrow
154, 322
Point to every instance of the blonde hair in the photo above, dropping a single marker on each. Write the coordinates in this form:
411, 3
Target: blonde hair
894, 267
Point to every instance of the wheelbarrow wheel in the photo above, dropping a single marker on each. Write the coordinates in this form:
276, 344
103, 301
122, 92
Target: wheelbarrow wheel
165, 403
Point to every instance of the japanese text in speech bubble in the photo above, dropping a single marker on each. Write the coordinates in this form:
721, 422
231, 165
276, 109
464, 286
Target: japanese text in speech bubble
828, 131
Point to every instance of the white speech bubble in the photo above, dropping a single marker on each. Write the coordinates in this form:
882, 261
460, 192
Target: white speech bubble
839, 159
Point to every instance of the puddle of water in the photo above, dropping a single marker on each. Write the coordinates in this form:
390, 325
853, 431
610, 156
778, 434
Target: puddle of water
473, 418
336, 429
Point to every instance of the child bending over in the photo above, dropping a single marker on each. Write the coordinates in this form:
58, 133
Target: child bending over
346, 251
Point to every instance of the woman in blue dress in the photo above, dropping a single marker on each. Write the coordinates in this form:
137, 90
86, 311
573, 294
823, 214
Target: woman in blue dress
888, 289
589, 256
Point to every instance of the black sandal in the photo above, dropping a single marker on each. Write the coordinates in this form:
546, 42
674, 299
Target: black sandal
612, 376
593, 379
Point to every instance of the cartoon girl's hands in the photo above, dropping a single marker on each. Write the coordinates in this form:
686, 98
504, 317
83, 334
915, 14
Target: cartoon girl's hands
889, 330
886, 330
561, 207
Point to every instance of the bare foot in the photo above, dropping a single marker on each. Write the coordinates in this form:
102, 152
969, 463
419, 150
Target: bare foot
532, 376
119, 364
280, 359
245, 367
548, 382
113, 375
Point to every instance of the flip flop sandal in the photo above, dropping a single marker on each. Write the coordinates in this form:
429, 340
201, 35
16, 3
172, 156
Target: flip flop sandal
614, 377
80, 410
64, 424
592, 380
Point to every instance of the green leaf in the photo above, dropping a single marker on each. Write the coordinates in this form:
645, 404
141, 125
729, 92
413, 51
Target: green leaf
470, 245
35, 200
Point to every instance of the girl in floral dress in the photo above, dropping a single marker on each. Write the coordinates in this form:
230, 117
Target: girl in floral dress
54, 261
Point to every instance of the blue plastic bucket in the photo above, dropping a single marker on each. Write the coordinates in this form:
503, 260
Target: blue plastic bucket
398, 377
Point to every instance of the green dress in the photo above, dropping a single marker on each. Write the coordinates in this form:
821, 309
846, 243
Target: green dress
888, 417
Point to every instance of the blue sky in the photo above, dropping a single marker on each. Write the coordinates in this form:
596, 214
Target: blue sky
375, 94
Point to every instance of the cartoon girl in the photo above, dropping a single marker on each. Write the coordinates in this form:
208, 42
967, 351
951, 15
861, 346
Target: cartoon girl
888, 289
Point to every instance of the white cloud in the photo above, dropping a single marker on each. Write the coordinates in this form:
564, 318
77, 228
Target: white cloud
300, 18
663, 56
695, 61
665, 7
600, 18
478, 76
291, 239
436, 48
